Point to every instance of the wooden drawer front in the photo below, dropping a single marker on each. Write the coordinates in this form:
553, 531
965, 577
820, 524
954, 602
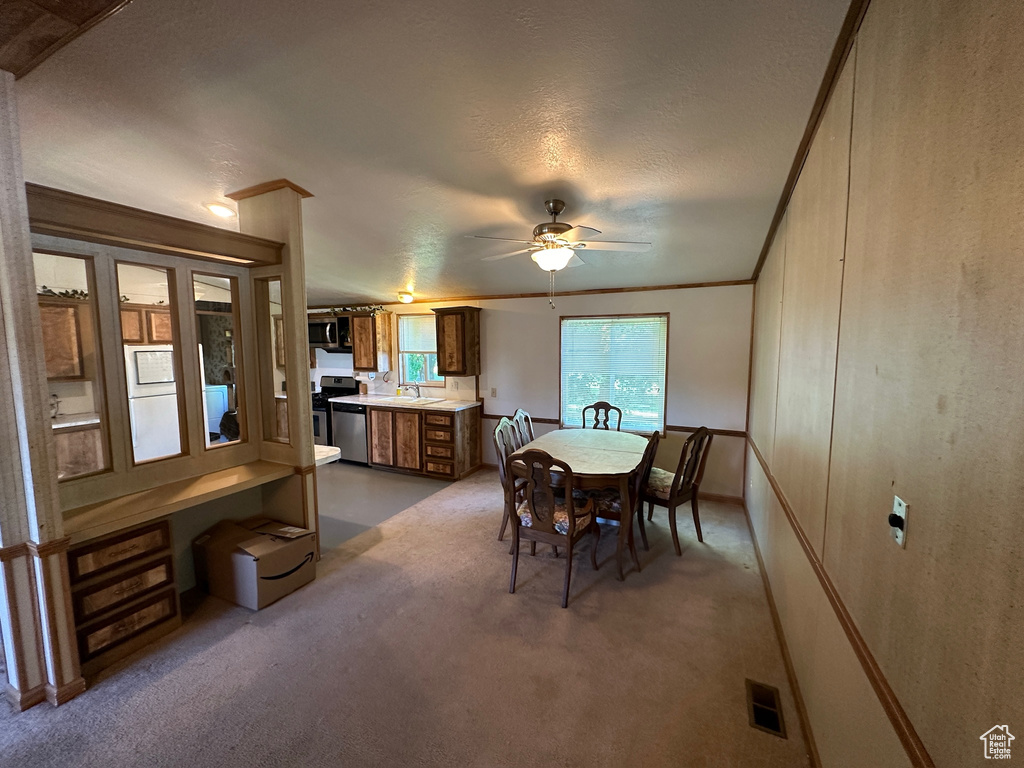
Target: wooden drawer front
440, 451
125, 625
441, 468
118, 590
94, 559
438, 435
437, 419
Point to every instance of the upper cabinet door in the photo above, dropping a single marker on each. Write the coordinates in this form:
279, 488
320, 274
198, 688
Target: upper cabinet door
458, 341
158, 321
133, 331
371, 342
62, 340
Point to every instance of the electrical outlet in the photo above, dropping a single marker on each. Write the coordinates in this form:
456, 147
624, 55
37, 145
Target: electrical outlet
494, 391
455, 386
898, 521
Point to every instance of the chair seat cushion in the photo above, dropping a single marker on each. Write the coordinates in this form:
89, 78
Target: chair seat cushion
561, 518
607, 502
659, 484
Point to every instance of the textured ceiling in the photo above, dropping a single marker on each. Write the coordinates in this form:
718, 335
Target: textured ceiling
415, 124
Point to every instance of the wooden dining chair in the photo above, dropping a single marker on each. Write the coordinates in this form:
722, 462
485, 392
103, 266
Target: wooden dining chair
670, 489
524, 424
608, 502
546, 515
505, 438
602, 414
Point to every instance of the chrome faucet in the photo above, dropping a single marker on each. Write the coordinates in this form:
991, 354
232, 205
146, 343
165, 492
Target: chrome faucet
414, 384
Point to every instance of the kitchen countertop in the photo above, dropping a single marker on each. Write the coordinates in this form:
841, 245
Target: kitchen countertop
74, 420
325, 454
385, 401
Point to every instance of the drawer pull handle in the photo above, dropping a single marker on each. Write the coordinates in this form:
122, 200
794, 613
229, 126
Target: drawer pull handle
130, 586
125, 550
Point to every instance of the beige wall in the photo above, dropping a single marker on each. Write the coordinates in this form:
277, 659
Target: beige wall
910, 314
708, 358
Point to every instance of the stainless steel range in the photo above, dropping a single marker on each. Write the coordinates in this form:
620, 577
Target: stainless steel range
330, 386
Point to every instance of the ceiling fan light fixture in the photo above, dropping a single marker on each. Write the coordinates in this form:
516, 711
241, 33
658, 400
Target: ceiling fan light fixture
552, 259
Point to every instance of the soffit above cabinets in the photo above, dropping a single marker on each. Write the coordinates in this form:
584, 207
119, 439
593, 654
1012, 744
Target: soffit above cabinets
415, 124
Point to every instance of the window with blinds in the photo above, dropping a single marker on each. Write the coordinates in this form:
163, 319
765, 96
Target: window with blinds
417, 350
620, 359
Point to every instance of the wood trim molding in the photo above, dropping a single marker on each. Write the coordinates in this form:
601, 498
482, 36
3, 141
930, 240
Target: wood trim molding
13, 552
22, 700
66, 214
47, 548
721, 498
267, 186
61, 694
668, 427
890, 704
840, 52
787, 660
586, 292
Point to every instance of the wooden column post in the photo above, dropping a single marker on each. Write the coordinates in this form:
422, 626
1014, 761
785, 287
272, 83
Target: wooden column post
273, 210
35, 606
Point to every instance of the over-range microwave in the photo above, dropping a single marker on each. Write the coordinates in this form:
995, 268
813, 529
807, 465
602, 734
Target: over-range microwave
330, 333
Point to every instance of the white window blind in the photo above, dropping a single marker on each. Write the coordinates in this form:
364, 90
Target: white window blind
617, 359
417, 349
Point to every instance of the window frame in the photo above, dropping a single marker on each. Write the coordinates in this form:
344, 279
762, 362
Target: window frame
613, 316
440, 383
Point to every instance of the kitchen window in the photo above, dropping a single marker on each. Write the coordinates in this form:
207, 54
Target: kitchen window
618, 358
417, 350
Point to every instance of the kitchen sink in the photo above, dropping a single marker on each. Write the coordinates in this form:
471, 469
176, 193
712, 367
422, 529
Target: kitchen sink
406, 400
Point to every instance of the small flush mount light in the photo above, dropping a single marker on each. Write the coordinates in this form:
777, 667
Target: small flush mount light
405, 297
221, 210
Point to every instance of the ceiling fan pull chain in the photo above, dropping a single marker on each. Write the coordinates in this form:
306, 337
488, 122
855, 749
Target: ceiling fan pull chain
551, 289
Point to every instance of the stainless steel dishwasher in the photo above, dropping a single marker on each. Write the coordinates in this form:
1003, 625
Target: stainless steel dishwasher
348, 422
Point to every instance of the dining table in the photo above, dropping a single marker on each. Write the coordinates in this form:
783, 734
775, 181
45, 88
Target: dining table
599, 459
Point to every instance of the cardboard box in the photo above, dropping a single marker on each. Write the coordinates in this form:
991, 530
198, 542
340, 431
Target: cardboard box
254, 562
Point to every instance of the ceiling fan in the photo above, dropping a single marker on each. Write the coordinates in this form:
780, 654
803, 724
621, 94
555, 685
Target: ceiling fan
555, 243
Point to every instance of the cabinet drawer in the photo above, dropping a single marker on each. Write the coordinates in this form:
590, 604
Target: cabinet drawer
94, 559
437, 419
121, 589
440, 468
439, 451
123, 626
438, 435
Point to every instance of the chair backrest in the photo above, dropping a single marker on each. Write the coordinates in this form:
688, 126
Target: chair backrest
534, 466
643, 470
504, 445
524, 424
691, 461
602, 413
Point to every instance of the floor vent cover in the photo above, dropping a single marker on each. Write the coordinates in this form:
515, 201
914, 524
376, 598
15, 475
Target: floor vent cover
764, 708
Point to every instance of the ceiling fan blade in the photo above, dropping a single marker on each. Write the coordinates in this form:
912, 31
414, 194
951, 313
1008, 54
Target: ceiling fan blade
576, 261
503, 239
501, 256
576, 234
616, 245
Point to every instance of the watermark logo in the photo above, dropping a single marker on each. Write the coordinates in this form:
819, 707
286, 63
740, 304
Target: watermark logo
997, 742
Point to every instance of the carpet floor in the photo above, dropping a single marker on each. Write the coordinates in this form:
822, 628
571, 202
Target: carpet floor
408, 650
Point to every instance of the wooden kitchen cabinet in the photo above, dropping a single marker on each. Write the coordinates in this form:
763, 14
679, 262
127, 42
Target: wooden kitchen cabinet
395, 438
371, 341
458, 341
436, 443
146, 324
62, 339
79, 451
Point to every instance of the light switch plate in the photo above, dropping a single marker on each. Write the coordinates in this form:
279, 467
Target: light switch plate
899, 535
494, 391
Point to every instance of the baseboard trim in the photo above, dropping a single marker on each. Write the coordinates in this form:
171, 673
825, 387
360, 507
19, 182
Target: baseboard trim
724, 499
905, 730
62, 694
22, 700
787, 660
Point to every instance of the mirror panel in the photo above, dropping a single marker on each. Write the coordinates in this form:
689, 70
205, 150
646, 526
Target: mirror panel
74, 369
152, 373
216, 302
270, 335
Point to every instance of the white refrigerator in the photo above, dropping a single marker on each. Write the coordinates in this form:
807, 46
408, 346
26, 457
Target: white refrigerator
152, 401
